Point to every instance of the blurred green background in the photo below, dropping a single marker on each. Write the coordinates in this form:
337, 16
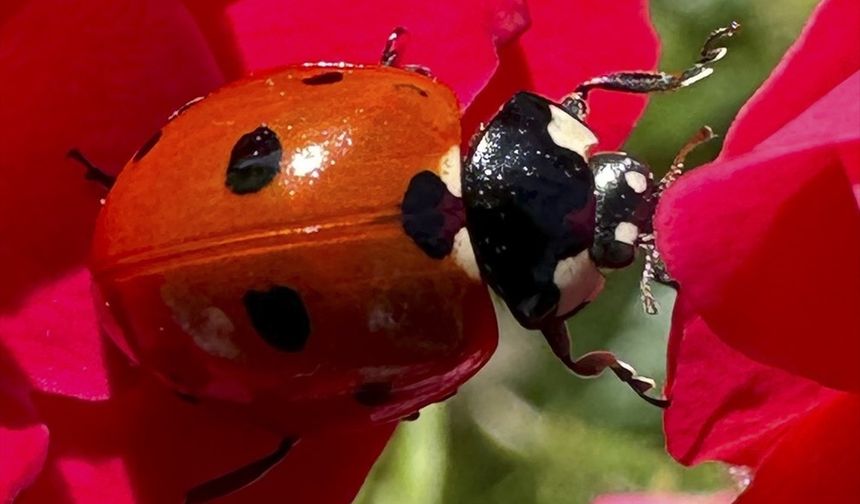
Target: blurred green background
525, 430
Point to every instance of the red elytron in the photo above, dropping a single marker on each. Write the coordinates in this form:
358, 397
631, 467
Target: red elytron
253, 252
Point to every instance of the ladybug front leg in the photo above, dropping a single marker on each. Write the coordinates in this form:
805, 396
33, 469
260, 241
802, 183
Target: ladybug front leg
649, 82
93, 173
594, 363
655, 269
240, 478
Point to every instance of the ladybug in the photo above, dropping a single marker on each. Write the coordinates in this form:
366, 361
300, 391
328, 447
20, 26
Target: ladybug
310, 243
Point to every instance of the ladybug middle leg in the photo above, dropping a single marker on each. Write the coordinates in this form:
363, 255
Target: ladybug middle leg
593, 364
655, 269
93, 173
240, 478
649, 82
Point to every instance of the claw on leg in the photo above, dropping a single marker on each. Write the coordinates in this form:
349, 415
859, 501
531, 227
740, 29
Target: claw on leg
594, 363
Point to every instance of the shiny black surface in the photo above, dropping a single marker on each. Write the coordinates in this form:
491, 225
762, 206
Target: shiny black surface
529, 203
254, 161
431, 214
323, 78
279, 316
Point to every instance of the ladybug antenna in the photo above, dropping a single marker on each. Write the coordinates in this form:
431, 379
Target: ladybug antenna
655, 269
649, 82
240, 478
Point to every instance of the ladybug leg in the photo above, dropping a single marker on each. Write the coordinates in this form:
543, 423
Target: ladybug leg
705, 134
93, 172
240, 478
649, 82
593, 364
390, 54
655, 269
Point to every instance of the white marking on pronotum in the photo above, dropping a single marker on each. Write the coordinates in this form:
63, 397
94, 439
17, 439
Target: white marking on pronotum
464, 255
569, 133
626, 232
578, 280
636, 181
449, 170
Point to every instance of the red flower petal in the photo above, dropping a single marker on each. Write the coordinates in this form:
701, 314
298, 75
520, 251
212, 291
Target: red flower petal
55, 339
455, 39
103, 81
724, 405
22, 455
570, 42
765, 245
23, 440
104, 90
824, 55
145, 445
820, 457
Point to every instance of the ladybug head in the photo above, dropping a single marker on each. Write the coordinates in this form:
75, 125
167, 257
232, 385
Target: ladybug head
625, 201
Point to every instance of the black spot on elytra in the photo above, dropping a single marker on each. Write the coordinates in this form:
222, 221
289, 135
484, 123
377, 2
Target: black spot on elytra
279, 317
147, 146
431, 214
412, 87
323, 78
373, 393
254, 161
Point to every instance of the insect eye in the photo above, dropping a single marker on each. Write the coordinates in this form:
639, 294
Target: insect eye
254, 161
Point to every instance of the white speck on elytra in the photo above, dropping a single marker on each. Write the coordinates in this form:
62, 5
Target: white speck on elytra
381, 318
212, 333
